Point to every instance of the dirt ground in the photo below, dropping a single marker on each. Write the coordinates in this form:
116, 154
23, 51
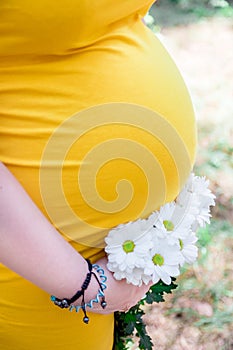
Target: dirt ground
204, 53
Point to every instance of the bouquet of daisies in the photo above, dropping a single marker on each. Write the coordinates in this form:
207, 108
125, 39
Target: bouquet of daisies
154, 249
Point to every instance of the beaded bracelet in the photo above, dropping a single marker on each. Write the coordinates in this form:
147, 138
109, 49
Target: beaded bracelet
100, 297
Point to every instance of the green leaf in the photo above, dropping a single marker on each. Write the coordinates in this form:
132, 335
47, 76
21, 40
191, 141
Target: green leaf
126, 324
155, 294
129, 328
146, 343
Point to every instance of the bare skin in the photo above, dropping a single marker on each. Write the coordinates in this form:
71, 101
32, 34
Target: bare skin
31, 246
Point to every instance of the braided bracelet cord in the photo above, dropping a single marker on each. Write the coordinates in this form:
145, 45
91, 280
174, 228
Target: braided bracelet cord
100, 297
67, 303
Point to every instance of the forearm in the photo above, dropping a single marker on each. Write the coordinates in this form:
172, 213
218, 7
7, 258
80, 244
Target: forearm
31, 246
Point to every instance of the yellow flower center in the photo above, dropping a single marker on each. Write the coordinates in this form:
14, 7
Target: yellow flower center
181, 244
158, 259
128, 246
168, 225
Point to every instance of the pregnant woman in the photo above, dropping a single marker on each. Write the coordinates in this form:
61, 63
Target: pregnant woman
97, 129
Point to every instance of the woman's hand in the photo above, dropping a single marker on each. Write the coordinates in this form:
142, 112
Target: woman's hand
119, 295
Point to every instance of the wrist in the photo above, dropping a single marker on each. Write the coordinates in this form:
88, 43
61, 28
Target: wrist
81, 298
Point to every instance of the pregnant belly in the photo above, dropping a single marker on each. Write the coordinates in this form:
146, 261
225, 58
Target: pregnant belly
102, 136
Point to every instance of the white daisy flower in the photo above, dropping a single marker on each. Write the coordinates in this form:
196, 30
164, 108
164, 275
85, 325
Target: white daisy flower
134, 276
200, 186
137, 277
187, 202
163, 261
155, 248
174, 221
206, 199
128, 246
196, 199
166, 216
188, 248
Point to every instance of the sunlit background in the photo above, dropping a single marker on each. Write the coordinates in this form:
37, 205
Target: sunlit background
199, 35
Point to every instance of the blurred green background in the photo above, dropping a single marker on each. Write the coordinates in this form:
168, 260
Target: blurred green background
176, 12
199, 35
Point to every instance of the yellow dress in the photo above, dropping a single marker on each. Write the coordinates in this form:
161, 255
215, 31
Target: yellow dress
98, 126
